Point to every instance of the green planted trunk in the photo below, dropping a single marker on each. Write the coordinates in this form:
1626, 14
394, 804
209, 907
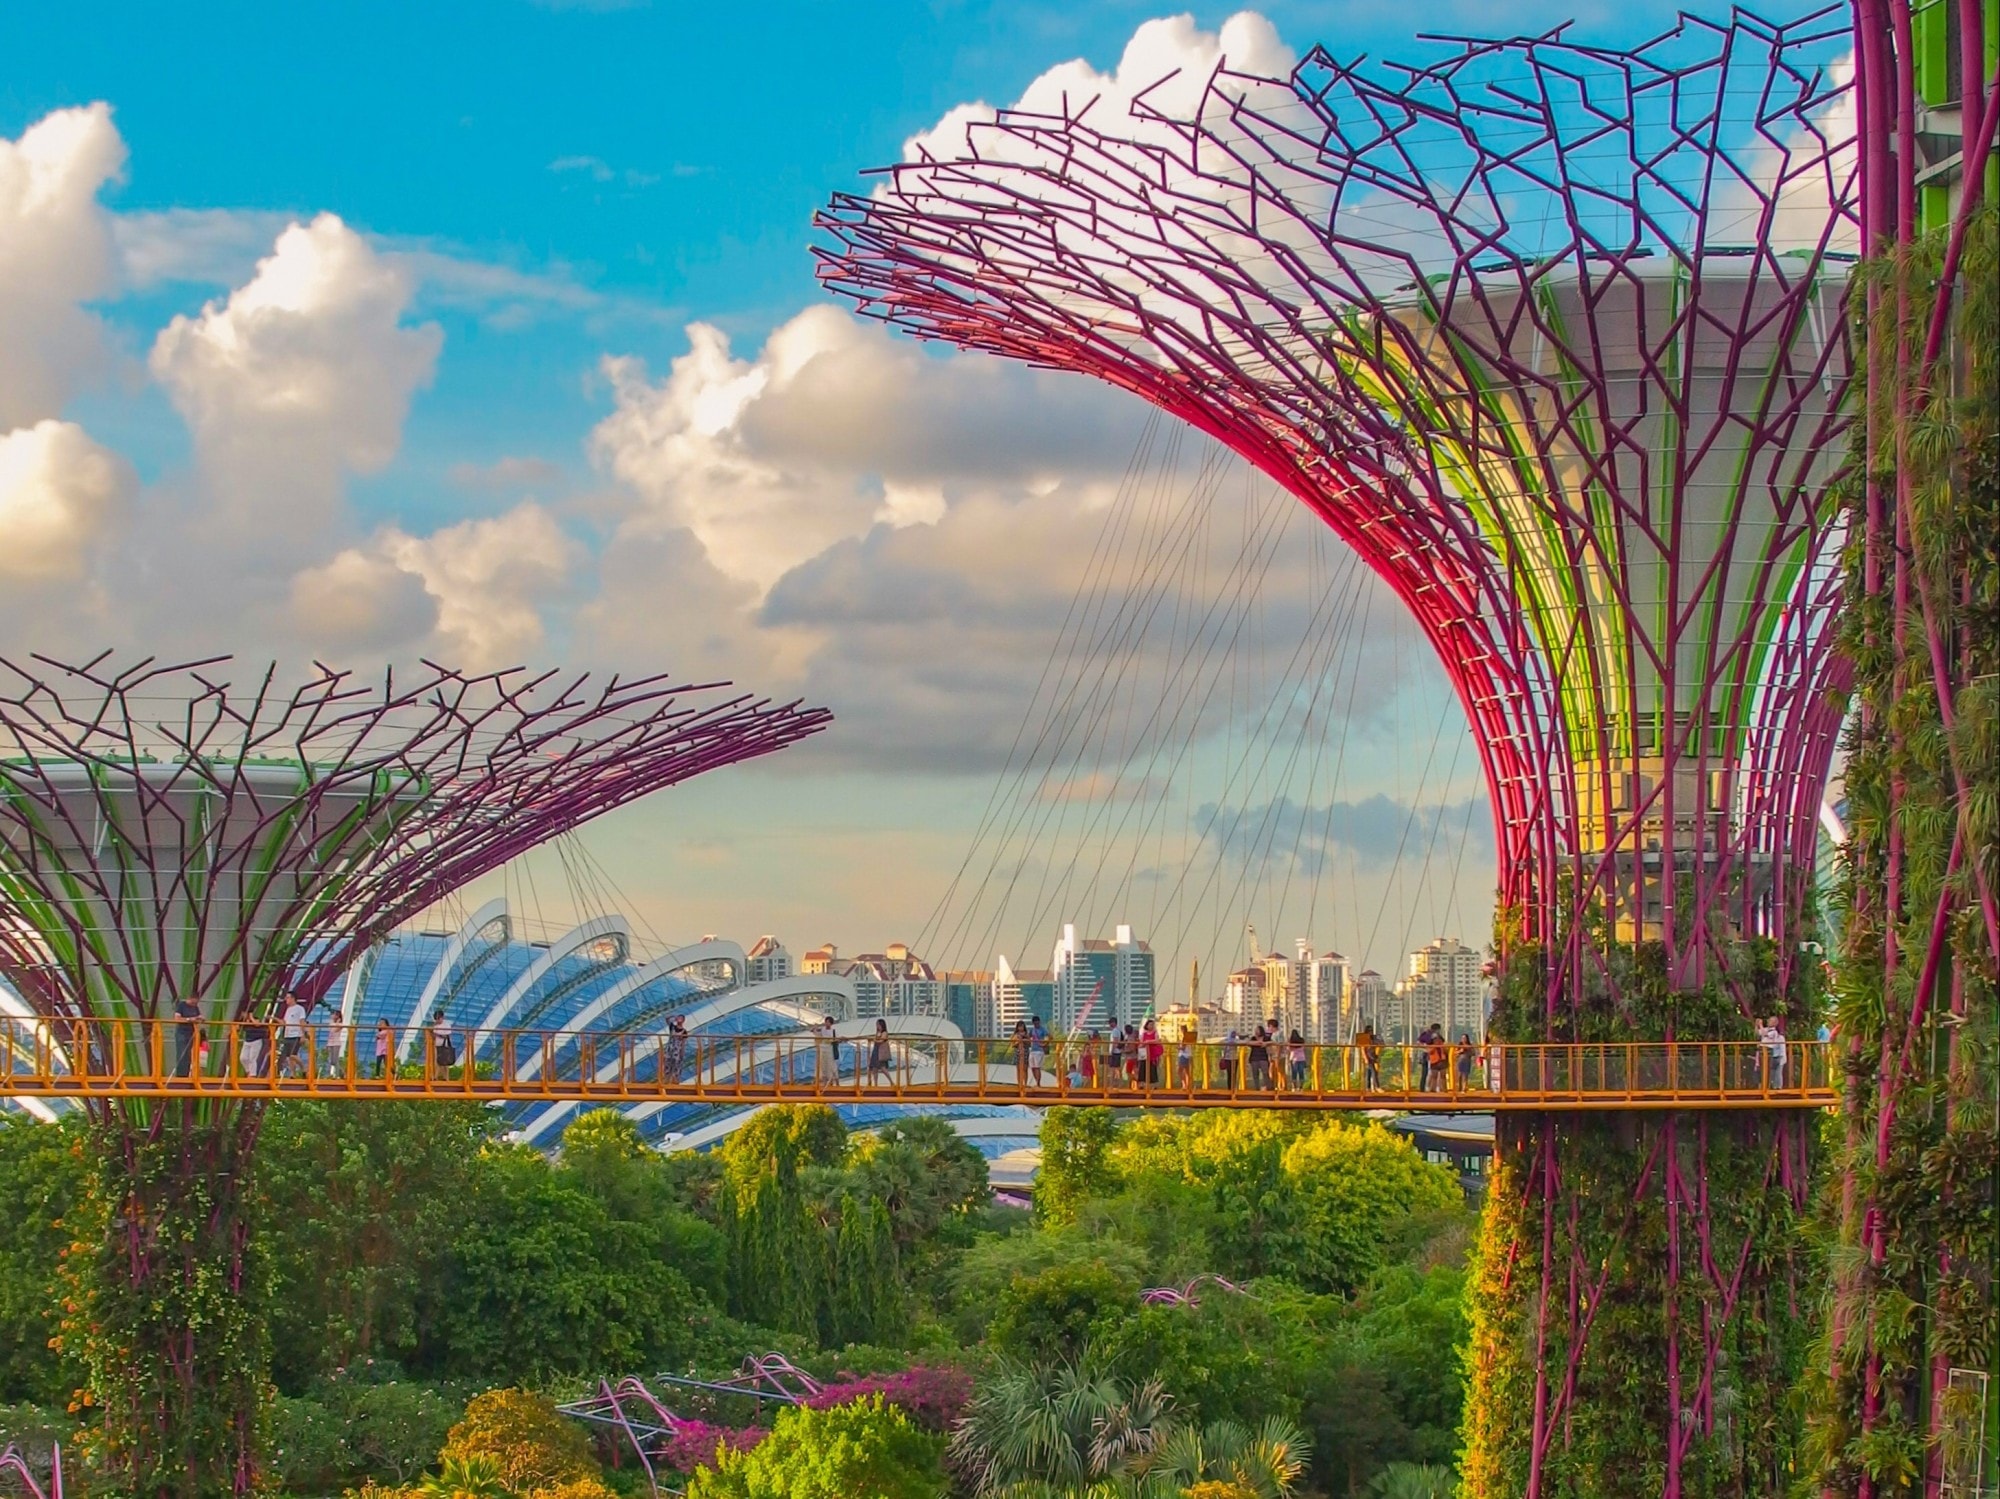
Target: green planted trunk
1912, 1338
1640, 1296
164, 1306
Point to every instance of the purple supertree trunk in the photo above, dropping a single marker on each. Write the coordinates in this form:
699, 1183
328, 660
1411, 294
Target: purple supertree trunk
1556, 338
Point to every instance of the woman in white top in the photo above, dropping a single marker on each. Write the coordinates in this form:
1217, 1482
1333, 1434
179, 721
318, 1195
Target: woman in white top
291, 1062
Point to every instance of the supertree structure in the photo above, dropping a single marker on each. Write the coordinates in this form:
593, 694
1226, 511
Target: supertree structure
181, 843
1555, 337
1905, 1386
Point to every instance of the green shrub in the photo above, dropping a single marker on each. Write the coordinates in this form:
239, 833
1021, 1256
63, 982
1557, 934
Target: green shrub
1046, 1318
394, 1430
344, 1435
307, 1452
845, 1452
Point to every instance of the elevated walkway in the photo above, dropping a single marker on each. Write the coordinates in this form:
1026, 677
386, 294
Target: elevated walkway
141, 1059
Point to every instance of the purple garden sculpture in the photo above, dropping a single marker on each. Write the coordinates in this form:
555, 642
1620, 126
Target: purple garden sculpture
1555, 337
183, 843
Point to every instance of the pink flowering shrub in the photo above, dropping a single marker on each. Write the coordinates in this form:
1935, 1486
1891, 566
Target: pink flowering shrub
695, 1443
933, 1397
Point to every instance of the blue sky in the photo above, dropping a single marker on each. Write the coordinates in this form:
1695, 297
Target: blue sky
500, 220
665, 158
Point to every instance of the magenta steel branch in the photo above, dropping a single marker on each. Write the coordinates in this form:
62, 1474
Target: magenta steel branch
1554, 336
183, 832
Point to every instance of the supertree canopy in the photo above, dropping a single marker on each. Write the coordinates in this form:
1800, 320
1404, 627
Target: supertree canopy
180, 843
1555, 337
168, 834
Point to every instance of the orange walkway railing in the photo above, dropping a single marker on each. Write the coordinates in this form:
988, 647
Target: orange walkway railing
248, 1060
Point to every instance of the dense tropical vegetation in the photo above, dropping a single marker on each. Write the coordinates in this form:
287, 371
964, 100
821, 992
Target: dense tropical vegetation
432, 1290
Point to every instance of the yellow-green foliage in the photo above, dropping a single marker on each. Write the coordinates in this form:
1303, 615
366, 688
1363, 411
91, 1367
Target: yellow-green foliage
532, 1446
473, 1477
844, 1452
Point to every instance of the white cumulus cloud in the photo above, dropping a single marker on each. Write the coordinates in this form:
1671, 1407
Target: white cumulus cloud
59, 493
835, 427
55, 255
361, 600
1165, 68
471, 593
301, 377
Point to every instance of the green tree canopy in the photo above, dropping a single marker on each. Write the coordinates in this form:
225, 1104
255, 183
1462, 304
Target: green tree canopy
1229, 1357
783, 1134
1352, 1184
1047, 1318
545, 1281
1078, 1163
360, 1204
985, 1271
843, 1452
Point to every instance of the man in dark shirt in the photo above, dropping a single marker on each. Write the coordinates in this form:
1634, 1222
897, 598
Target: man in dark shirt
188, 1014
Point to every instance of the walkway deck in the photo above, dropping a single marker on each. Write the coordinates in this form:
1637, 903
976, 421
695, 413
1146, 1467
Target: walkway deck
136, 1060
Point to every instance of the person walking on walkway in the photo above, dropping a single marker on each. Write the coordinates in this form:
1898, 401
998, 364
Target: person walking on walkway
444, 1045
1260, 1062
256, 1047
1038, 1050
1464, 1060
1772, 1037
1296, 1060
1156, 1052
1370, 1051
1184, 1056
385, 1043
1437, 1060
1232, 1047
826, 1052
334, 1036
188, 1013
677, 1046
293, 1038
878, 1055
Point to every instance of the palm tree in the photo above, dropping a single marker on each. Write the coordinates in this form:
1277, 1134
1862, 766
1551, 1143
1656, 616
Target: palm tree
473, 1477
1063, 1429
1266, 1463
1414, 1481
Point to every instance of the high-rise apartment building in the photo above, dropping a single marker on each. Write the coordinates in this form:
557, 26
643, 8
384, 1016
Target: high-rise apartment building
1243, 997
1370, 1002
894, 981
767, 961
1446, 986
1016, 994
1100, 984
968, 999
1316, 1002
